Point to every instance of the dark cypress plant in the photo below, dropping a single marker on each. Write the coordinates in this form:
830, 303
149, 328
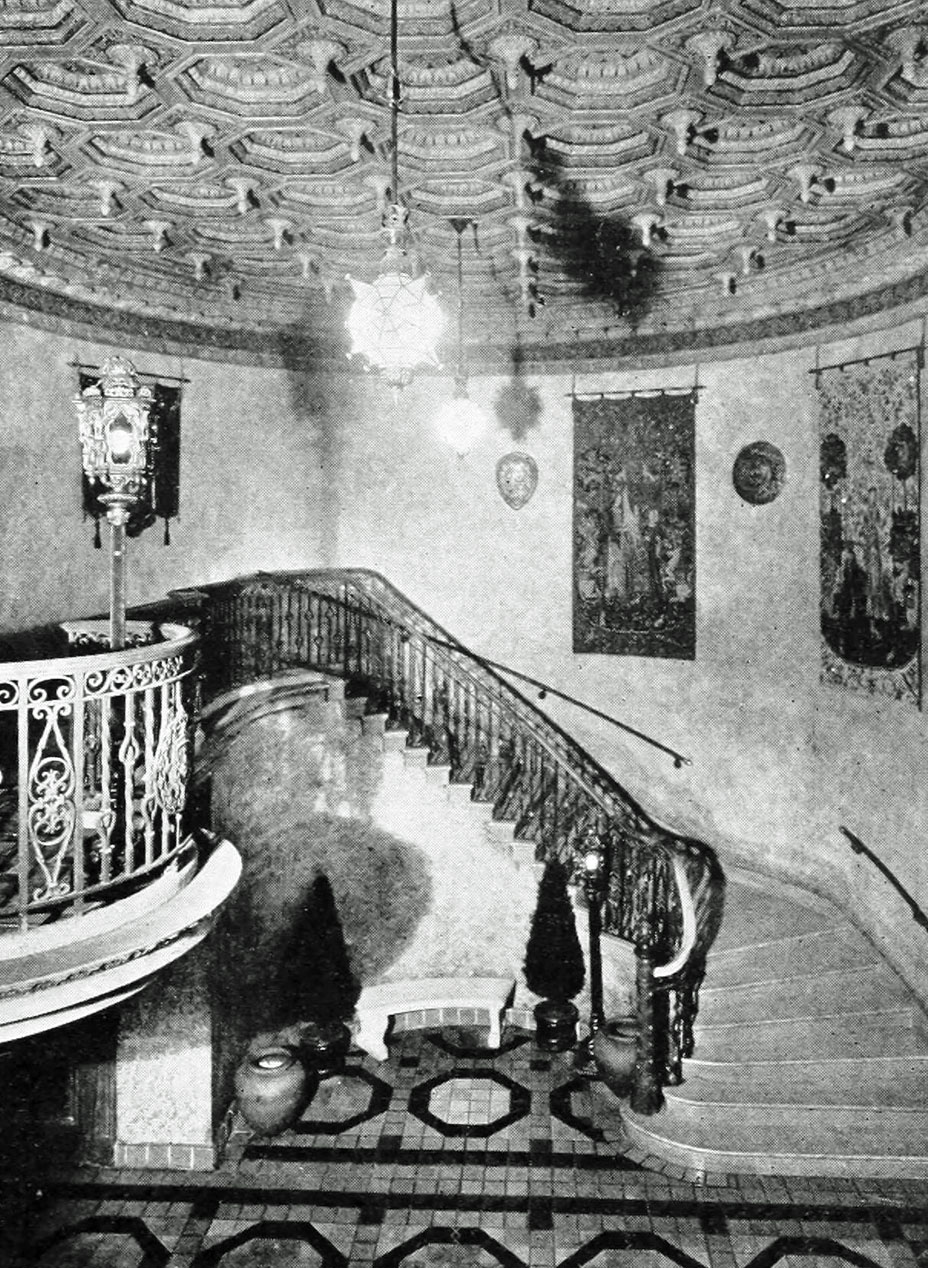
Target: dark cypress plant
553, 957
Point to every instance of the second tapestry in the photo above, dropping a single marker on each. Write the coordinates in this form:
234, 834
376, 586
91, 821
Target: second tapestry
870, 525
634, 532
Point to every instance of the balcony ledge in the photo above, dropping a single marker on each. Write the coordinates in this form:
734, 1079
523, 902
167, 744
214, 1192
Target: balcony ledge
56, 974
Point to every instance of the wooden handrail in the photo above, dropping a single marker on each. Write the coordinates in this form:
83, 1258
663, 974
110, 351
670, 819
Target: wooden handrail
858, 846
546, 689
356, 625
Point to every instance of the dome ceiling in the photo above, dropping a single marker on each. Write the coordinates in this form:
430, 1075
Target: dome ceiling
633, 170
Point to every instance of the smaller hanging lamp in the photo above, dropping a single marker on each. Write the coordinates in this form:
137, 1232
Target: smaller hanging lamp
460, 421
394, 321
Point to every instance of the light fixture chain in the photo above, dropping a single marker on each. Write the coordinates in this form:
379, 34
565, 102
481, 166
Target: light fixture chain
395, 98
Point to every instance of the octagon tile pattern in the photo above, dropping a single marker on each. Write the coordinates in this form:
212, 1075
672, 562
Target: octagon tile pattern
470, 1102
342, 1101
543, 1189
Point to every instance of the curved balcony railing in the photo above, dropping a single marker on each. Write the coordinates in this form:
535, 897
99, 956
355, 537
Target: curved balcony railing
662, 890
94, 763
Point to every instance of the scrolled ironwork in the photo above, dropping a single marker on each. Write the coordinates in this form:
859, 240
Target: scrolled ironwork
94, 771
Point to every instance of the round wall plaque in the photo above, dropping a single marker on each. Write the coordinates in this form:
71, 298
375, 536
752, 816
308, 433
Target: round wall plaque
516, 478
759, 473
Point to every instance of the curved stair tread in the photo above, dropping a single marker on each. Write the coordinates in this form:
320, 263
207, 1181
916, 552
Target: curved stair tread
837, 947
863, 1146
890, 1082
829, 993
753, 915
886, 1032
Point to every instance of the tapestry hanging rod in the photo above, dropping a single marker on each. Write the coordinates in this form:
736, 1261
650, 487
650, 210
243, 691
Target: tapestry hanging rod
627, 393
918, 348
143, 374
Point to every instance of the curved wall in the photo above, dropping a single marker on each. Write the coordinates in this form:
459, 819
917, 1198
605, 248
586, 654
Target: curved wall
282, 470
779, 760
251, 485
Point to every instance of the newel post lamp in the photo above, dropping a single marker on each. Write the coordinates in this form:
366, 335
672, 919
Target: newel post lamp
112, 419
594, 875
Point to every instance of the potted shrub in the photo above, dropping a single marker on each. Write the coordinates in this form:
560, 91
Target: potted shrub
554, 961
321, 988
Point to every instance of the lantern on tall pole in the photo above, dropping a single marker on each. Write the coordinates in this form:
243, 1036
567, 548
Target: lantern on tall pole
113, 421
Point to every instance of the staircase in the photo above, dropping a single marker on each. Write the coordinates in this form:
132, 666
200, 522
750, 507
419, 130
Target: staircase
798, 1051
811, 1056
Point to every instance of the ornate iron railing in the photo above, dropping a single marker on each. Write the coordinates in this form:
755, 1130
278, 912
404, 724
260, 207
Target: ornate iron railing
93, 770
354, 624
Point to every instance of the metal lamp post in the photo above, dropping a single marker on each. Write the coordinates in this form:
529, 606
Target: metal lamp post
593, 875
114, 435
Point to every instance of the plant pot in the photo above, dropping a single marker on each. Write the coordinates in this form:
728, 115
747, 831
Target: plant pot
270, 1085
615, 1051
555, 1025
324, 1046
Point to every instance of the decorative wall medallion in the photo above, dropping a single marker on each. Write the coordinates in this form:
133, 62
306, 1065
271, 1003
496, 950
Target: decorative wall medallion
516, 478
759, 473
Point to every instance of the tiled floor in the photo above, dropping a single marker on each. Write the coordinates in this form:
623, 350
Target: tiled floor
449, 1155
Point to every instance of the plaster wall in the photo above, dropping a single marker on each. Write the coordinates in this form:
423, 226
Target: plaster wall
293, 471
778, 760
251, 484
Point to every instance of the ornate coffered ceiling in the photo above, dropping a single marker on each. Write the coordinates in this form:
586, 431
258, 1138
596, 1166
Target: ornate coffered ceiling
634, 169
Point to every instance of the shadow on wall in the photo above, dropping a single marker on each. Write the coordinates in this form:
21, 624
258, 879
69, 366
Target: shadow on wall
615, 262
286, 794
321, 411
380, 889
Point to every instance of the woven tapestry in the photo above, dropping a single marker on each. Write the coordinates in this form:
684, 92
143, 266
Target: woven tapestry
869, 499
634, 533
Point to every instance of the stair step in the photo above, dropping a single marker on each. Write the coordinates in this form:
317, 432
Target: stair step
437, 773
374, 724
873, 1032
524, 853
416, 755
821, 1128
758, 915
809, 995
839, 947
355, 706
461, 795
394, 740
866, 1145
500, 830
897, 1081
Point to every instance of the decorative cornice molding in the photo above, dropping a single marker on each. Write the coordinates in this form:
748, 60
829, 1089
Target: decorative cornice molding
300, 349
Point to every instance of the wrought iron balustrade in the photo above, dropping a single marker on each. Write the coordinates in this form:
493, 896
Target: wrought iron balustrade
94, 761
661, 889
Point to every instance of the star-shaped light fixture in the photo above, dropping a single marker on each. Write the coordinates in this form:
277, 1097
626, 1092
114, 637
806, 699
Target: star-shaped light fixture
395, 322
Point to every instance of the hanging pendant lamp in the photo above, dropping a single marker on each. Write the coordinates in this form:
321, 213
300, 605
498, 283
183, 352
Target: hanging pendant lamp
394, 321
461, 422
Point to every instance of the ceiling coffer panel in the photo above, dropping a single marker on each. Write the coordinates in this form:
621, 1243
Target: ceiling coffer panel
225, 158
